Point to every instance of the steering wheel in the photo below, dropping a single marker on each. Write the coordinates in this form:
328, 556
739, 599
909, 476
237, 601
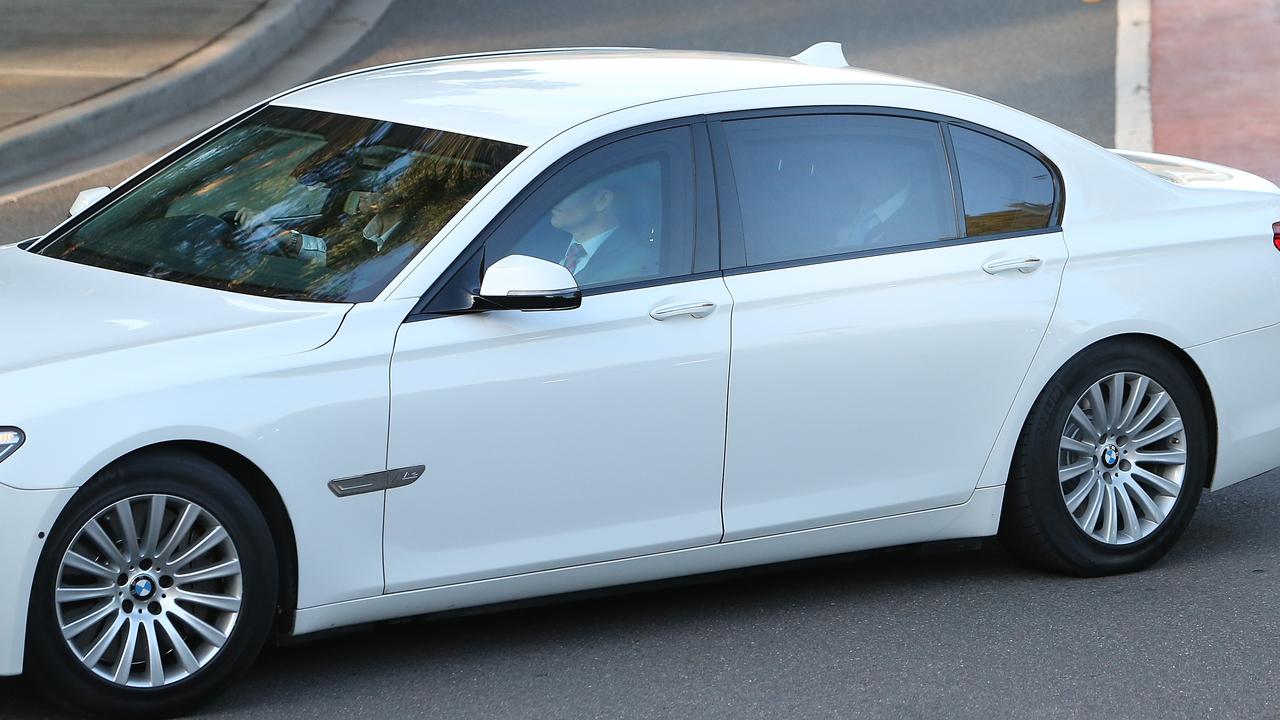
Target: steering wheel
236, 237
267, 238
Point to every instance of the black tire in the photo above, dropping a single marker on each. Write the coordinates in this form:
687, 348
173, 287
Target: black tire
53, 667
1035, 523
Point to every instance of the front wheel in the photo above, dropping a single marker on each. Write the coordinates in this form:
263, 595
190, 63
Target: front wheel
155, 590
1110, 464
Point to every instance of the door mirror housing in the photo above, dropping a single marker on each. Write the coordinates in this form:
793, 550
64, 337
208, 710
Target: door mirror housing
520, 282
87, 198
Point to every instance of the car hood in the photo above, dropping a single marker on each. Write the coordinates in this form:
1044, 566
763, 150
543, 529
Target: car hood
54, 310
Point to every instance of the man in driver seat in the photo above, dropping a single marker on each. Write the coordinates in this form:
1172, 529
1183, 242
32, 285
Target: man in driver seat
604, 245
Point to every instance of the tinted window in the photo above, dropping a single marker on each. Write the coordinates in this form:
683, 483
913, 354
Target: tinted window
816, 185
1005, 188
621, 214
291, 203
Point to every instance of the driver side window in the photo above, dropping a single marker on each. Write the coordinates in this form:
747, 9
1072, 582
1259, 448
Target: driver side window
621, 214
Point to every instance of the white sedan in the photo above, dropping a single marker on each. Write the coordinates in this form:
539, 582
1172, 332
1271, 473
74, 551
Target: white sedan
458, 332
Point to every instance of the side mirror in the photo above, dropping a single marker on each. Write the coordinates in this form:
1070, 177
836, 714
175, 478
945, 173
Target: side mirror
520, 282
87, 198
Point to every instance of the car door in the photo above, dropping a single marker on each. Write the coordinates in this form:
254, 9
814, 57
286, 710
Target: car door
883, 321
552, 439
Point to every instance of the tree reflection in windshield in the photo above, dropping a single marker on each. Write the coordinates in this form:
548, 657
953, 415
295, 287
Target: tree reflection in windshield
291, 203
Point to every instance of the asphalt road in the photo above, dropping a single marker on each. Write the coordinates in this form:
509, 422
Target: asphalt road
1051, 58
887, 634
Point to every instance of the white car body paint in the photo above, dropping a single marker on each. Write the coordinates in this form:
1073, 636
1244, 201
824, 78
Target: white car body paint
572, 437
106, 363
851, 364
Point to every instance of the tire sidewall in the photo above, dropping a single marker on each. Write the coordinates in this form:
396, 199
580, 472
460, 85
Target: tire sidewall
74, 686
1082, 553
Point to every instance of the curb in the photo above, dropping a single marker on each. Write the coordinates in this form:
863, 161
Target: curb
225, 63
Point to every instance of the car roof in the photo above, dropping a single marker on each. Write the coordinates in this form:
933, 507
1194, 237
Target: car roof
527, 97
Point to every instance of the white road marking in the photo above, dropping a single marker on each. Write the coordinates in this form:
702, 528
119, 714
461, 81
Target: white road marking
1133, 75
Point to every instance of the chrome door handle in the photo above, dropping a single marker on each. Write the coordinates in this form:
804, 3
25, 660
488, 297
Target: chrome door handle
1022, 265
692, 309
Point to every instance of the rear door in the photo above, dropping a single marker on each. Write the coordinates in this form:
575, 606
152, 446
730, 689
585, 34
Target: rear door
882, 322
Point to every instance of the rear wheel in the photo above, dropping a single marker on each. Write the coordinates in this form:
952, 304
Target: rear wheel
1110, 464
155, 590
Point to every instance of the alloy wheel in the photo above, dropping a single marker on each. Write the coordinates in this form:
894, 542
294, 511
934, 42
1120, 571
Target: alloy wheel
1122, 458
149, 591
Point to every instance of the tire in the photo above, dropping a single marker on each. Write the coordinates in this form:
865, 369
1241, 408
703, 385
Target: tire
187, 487
1038, 522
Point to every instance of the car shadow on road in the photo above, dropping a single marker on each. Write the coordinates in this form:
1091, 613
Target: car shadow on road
691, 623
669, 608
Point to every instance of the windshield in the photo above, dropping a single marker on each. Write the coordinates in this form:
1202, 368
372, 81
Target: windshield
293, 204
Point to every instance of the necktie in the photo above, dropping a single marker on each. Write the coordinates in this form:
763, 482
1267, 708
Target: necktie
573, 257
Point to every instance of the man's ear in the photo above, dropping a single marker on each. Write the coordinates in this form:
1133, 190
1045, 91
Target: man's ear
604, 199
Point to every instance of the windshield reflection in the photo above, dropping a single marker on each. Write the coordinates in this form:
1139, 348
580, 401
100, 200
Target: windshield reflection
291, 203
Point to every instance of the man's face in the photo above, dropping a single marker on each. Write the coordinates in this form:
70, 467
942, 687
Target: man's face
579, 208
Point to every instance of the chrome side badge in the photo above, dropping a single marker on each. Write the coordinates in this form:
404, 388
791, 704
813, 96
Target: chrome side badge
373, 482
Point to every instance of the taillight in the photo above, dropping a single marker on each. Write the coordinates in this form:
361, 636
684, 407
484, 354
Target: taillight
1275, 234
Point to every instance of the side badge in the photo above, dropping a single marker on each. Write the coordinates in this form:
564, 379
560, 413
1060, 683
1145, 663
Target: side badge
404, 476
373, 482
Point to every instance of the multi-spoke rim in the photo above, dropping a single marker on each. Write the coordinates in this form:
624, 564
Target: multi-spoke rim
149, 591
1122, 458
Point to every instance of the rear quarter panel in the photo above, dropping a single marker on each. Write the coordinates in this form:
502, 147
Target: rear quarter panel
1190, 265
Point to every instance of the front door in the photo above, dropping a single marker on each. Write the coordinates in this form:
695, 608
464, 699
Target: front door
553, 439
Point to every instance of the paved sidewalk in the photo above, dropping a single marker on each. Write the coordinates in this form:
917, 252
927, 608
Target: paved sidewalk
55, 53
1214, 71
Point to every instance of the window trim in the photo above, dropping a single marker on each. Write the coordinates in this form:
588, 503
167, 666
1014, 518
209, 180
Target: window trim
706, 214
733, 240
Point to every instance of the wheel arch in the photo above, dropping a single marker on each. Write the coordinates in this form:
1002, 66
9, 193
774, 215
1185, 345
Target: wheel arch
265, 495
1172, 350
1202, 386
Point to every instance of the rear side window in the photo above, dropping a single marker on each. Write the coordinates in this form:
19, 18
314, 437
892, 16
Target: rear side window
816, 185
1005, 188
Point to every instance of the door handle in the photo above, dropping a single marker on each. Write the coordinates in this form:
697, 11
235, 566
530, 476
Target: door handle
693, 309
1022, 265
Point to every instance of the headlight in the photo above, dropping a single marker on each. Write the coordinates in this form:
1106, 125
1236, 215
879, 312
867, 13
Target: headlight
11, 438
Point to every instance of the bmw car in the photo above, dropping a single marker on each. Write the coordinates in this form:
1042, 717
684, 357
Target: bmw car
458, 332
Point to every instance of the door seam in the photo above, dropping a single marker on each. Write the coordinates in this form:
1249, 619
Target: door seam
728, 398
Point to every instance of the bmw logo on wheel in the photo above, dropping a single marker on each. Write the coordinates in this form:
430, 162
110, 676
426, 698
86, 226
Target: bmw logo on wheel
143, 587
1110, 456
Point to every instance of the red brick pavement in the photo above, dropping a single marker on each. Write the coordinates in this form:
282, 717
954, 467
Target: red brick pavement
1215, 81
